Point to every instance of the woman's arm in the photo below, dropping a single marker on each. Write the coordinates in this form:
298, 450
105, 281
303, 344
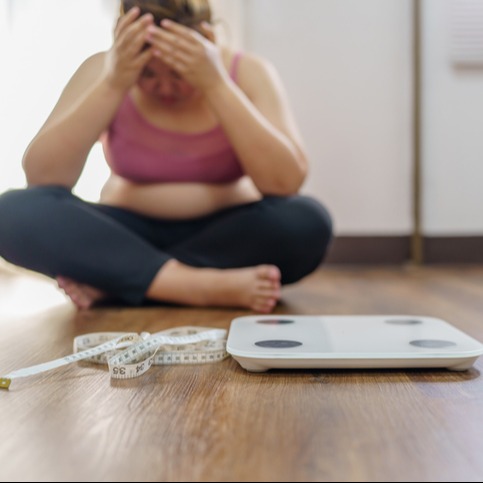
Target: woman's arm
255, 116
88, 103
261, 128
58, 152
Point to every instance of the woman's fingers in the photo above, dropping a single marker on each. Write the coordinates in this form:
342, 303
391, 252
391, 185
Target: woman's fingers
177, 60
167, 40
134, 44
177, 36
180, 30
130, 33
208, 31
142, 59
188, 52
126, 20
126, 56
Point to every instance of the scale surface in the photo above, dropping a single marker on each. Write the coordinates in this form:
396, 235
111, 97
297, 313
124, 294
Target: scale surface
260, 343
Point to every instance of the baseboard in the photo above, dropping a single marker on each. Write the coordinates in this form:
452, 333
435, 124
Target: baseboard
371, 250
458, 249
394, 250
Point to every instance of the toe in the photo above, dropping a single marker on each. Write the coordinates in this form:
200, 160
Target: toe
264, 304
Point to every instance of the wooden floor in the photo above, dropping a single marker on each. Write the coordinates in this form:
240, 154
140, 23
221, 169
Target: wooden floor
217, 422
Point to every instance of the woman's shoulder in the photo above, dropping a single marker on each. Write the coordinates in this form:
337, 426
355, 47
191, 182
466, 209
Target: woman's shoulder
253, 72
93, 64
247, 61
86, 74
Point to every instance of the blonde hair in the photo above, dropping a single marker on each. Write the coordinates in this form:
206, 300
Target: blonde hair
186, 12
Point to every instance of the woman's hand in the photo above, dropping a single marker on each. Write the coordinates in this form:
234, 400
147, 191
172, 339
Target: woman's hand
194, 57
126, 58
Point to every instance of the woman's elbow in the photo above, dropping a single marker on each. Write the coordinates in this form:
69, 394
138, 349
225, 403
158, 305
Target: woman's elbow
291, 185
35, 175
286, 185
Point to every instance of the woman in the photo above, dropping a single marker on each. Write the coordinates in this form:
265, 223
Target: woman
201, 207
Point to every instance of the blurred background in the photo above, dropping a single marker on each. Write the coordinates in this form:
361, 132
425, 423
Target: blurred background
388, 96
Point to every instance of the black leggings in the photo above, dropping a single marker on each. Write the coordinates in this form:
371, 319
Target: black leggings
49, 230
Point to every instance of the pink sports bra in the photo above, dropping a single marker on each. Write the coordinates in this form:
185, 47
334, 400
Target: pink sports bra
141, 152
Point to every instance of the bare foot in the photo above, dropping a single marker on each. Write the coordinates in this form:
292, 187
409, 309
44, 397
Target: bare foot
257, 288
83, 296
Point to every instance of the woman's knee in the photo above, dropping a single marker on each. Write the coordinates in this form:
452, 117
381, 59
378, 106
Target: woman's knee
313, 218
304, 220
22, 215
16, 205
307, 233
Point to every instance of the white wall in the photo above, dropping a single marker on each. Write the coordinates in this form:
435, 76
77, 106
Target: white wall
229, 21
347, 67
6, 176
45, 43
453, 132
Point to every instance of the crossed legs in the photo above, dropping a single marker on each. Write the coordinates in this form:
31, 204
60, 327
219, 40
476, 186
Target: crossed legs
238, 257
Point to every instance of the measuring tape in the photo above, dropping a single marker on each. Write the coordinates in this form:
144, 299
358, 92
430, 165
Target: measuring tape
130, 355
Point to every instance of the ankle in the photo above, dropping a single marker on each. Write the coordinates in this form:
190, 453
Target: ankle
179, 283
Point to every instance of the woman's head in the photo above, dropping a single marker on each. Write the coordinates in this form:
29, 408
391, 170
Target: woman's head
157, 79
186, 12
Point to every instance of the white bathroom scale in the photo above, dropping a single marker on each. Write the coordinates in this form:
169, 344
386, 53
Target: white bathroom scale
260, 343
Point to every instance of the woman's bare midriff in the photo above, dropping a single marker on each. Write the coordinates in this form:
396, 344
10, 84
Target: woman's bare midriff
177, 201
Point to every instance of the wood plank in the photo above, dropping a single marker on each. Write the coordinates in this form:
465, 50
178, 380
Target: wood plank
219, 423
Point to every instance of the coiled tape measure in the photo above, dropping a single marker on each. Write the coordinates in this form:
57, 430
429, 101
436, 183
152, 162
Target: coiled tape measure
130, 355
